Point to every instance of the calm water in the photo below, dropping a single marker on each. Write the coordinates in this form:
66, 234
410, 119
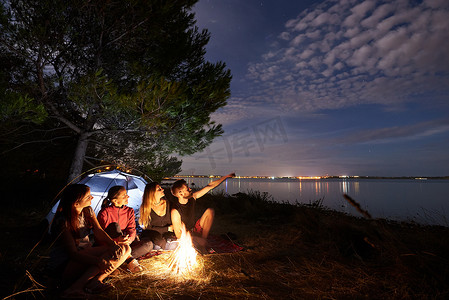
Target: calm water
422, 201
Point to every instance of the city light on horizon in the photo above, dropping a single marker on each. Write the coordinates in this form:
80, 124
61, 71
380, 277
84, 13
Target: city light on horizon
305, 177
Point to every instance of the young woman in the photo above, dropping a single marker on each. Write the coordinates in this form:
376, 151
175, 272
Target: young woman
155, 217
118, 220
83, 266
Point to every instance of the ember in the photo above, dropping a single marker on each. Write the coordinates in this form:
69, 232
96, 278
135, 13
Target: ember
183, 258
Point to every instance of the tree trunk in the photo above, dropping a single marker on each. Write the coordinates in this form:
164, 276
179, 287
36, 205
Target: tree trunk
78, 158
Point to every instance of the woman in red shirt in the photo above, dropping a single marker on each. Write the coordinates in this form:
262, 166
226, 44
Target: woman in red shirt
118, 220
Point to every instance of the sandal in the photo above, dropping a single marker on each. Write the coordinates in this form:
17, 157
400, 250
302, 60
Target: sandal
99, 287
134, 266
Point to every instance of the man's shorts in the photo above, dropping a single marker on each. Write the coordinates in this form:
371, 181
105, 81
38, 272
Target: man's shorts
197, 229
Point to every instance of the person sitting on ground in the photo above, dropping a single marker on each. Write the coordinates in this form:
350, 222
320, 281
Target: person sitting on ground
184, 212
155, 217
83, 266
118, 220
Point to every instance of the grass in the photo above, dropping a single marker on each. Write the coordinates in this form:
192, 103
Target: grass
291, 252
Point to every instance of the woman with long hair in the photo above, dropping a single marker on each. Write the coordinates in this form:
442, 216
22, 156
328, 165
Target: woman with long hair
155, 216
118, 220
83, 266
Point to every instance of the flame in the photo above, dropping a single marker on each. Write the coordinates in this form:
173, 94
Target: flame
183, 258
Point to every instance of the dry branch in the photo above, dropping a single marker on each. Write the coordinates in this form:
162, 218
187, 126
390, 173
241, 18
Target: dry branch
351, 201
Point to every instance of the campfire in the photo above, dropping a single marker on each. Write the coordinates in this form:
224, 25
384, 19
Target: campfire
183, 259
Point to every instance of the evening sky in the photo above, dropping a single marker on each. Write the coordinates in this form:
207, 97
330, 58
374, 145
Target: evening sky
347, 87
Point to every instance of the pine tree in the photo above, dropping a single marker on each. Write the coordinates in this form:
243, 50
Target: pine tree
126, 78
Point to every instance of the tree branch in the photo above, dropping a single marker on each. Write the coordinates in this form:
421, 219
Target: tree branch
58, 116
126, 32
31, 131
32, 142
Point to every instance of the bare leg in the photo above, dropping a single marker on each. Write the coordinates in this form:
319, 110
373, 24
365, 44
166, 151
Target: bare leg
79, 284
115, 263
206, 222
92, 271
79, 273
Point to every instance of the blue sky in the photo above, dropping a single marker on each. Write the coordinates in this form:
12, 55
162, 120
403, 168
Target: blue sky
348, 87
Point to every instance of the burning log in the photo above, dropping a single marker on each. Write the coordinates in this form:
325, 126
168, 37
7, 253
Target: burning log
183, 258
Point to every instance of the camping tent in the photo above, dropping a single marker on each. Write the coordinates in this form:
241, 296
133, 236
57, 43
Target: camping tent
100, 183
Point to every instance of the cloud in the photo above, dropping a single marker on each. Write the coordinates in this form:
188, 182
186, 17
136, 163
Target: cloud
346, 150
396, 134
231, 113
277, 145
239, 111
345, 53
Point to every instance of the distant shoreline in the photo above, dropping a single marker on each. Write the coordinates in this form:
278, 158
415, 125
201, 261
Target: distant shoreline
315, 177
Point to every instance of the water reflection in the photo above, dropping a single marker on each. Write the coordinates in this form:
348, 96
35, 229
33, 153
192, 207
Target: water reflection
344, 187
356, 187
421, 201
